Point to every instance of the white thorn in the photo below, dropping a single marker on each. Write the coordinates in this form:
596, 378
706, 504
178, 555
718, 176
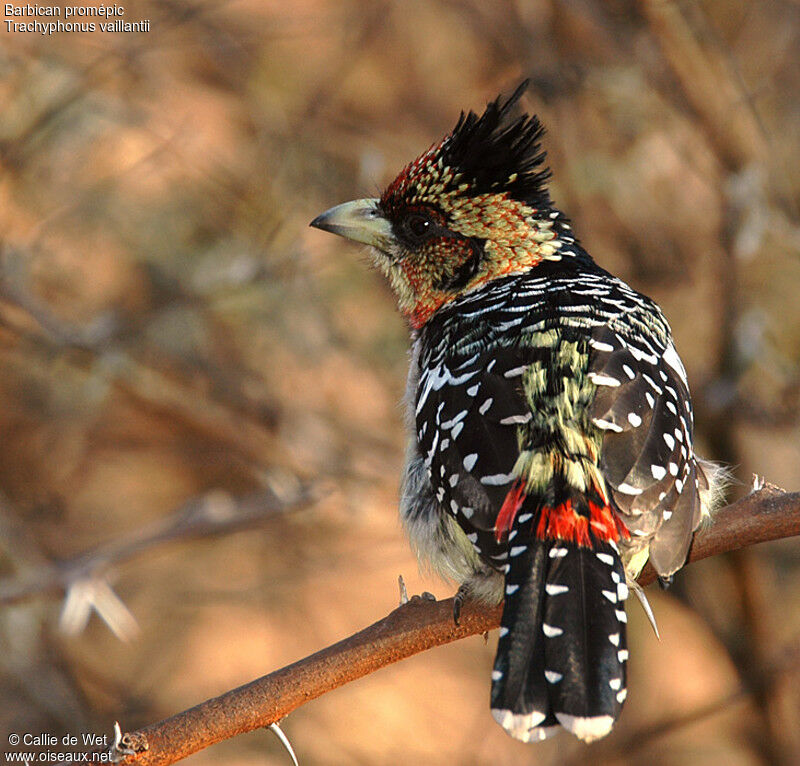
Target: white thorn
118, 752
647, 610
284, 741
403, 592
112, 611
76, 610
94, 593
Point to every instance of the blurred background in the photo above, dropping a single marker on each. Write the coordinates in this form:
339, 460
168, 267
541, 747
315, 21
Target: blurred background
200, 396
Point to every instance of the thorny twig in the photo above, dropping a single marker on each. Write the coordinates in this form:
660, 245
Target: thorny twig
83, 578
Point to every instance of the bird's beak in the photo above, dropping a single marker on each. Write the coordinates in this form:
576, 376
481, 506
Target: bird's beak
360, 220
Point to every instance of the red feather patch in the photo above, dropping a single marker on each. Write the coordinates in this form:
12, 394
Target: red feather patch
564, 523
508, 511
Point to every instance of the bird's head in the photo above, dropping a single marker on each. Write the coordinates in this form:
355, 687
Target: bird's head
472, 208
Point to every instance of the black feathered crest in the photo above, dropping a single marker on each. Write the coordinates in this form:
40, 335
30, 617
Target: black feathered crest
498, 152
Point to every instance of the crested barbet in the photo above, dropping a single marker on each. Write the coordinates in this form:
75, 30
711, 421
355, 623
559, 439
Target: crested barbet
550, 451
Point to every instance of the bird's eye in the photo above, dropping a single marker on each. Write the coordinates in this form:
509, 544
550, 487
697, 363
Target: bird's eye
418, 226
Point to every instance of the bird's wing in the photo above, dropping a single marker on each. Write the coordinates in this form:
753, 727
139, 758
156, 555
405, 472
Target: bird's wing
467, 418
642, 404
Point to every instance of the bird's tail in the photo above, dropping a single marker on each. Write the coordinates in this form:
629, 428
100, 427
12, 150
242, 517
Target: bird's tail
561, 658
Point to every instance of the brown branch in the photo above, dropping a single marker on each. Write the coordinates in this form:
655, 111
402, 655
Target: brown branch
765, 515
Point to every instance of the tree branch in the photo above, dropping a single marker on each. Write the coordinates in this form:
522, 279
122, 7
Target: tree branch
213, 514
764, 515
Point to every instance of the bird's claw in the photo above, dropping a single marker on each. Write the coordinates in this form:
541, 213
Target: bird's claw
404, 599
458, 602
424, 596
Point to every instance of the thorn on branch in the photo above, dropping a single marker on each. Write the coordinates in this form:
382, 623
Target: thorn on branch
93, 593
648, 610
403, 592
284, 740
126, 745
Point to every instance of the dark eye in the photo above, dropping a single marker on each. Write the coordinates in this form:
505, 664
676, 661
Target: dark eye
418, 226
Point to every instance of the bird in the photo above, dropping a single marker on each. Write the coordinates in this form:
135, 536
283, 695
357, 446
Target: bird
550, 450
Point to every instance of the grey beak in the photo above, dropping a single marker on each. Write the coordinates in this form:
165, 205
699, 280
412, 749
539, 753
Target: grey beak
360, 220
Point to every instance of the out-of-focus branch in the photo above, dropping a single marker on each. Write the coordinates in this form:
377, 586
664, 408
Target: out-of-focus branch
767, 514
710, 80
241, 424
213, 514
633, 744
712, 90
